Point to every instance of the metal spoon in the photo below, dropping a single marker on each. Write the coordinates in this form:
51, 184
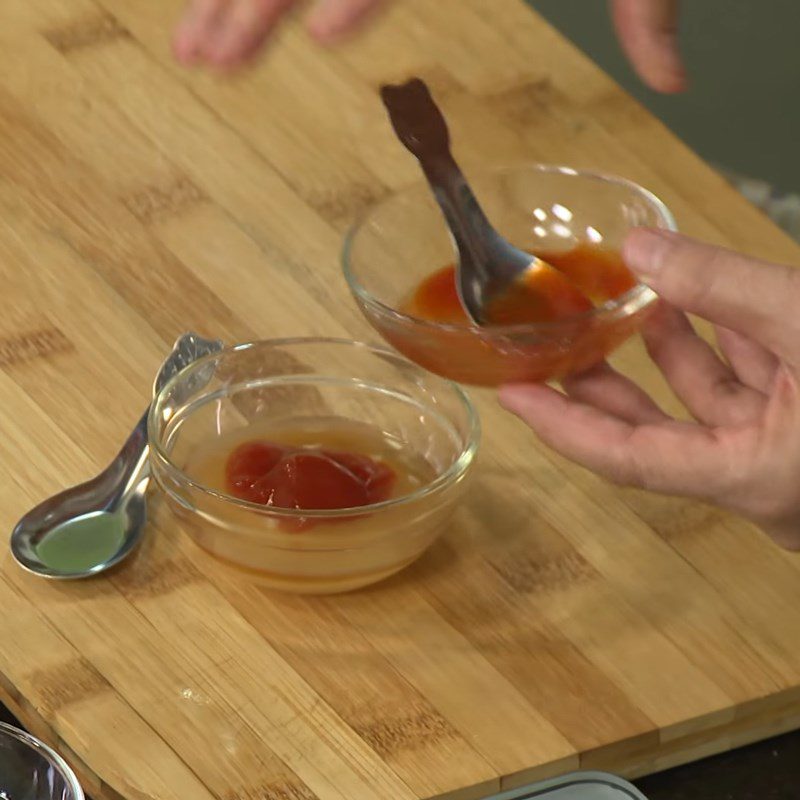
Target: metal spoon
116, 497
488, 265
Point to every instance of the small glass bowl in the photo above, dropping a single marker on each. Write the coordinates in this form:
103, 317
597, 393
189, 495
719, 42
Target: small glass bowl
540, 208
30, 770
302, 384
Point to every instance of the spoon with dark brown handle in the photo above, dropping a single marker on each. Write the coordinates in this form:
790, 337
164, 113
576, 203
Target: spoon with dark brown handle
488, 266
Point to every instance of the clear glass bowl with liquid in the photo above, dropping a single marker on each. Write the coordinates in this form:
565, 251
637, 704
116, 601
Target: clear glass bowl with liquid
340, 394
540, 208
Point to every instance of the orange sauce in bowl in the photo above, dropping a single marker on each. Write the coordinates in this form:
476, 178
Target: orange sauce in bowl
599, 275
555, 345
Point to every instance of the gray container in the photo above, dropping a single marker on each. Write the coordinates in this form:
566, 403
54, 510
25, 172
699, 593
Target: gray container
576, 786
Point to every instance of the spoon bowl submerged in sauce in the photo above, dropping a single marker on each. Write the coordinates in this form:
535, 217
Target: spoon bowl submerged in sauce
489, 269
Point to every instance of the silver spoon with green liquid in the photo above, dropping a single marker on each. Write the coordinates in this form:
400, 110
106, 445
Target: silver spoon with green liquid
92, 527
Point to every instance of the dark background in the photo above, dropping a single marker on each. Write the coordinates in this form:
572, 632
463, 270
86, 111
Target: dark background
742, 111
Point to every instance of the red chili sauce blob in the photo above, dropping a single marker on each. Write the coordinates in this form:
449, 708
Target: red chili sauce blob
306, 478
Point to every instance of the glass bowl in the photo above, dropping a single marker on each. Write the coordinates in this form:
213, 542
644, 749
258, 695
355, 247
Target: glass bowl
539, 208
30, 770
336, 392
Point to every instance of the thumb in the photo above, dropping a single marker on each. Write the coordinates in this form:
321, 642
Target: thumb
753, 297
648, 35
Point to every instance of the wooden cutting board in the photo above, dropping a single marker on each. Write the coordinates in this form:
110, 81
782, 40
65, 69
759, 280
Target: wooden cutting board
564, 623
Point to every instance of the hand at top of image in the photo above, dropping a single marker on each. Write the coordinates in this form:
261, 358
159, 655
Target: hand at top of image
225, 34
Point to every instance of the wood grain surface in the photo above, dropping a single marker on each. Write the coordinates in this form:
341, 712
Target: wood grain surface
563, 623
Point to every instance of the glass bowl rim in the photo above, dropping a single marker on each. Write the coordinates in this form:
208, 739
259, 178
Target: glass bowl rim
640, 295
456, 470
51, 756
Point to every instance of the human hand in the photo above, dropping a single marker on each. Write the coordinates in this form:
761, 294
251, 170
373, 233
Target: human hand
743, 451
228, 33
647, 31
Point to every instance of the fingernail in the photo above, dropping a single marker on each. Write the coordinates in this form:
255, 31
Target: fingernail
186, 54
329, 27
325, 32
645, 250
181, 44
671, 84
512, 396
223, 51
506, 397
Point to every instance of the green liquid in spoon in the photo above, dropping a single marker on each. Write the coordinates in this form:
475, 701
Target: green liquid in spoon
82, 543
